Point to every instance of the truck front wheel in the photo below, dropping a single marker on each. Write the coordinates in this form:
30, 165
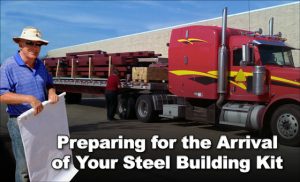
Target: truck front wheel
285, 124
144, 109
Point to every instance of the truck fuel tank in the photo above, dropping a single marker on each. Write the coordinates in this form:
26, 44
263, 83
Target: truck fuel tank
243, 115
259, 80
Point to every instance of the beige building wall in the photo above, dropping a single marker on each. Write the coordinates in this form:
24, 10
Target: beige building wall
286, 20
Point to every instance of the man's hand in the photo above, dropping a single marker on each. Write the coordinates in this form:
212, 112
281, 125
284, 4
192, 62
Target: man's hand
36, 105
52, 96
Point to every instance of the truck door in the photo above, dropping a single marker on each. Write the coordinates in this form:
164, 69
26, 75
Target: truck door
241, 76
238, 75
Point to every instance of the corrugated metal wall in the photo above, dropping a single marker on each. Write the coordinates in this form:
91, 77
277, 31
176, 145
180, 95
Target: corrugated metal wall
286, 20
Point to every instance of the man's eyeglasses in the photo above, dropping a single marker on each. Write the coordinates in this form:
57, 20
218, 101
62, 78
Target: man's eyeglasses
31, 43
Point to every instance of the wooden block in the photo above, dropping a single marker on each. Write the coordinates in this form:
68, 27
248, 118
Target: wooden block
138, 73
147, 74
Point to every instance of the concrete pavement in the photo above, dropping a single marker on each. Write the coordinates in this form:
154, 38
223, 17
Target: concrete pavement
88, 120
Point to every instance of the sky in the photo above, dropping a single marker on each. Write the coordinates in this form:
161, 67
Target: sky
67, 23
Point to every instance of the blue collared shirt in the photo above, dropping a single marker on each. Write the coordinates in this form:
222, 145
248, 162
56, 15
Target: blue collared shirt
17, 77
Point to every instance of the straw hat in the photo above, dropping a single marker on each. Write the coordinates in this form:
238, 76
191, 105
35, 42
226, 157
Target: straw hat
30, 33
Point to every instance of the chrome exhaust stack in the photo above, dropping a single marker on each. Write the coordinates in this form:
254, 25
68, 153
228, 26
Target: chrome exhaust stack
222, 63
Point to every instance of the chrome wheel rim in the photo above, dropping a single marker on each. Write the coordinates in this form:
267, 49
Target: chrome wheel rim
287, 126
121, 108
143, 109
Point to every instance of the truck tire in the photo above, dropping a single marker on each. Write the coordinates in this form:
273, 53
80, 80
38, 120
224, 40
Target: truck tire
144, 109
126, 107
131, 108
285, 124
73, 98
121, 108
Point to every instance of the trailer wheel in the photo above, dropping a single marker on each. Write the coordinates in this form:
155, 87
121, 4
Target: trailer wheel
285, 124
126, 108
73, 98
144, 109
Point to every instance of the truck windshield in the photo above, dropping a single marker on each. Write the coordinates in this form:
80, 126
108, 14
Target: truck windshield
276, 55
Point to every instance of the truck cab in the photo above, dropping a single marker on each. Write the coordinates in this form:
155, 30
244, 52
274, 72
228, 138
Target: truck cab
261, 83
279, 91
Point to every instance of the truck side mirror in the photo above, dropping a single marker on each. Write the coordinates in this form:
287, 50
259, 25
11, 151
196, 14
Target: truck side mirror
246, 55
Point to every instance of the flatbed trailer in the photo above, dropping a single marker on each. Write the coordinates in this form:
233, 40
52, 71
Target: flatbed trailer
97, 86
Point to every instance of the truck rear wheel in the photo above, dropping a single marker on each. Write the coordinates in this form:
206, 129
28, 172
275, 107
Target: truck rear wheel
285, 124
144, 109
126, 107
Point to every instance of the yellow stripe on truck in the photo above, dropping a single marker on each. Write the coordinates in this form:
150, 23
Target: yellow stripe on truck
214, 74
275, 78
188, 72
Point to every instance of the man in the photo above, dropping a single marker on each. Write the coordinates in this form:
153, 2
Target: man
111, 94
25, 84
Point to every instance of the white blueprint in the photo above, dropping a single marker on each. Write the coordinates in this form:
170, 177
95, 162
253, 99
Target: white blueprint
39, 136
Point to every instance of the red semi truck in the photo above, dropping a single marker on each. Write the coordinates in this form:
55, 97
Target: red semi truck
217, 75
